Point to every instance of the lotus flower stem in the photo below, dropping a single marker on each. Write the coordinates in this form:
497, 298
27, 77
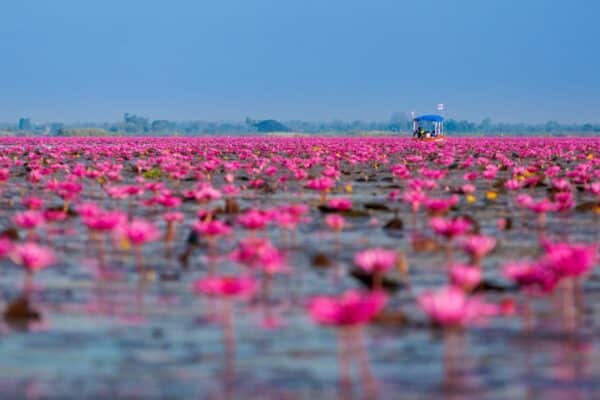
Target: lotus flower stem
367, 378
323, 197
449, 254
451, 357
568, 305
402, 265
266, 286
344, 361
27, 284
377, 281
212, 256
527, 314
101, 251
579, 297
168, 240
229, 344
139, 259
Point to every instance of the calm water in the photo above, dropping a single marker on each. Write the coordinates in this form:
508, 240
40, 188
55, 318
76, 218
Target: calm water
131, 338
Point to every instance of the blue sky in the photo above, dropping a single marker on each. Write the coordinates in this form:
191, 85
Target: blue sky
75, 60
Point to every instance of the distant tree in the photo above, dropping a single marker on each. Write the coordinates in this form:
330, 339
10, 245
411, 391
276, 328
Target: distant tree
83, 132
270, 125
399, 117
25, 124
552, 126
486, 125
136, 124
163, 126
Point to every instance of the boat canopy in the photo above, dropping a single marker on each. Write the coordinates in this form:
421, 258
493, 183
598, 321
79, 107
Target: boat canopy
429, 117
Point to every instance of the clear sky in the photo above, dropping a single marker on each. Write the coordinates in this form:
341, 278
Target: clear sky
512, 60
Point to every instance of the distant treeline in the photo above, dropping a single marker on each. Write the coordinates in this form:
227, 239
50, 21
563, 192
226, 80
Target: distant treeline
399, 122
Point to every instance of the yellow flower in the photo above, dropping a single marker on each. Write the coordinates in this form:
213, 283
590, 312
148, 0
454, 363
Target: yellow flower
491, 195
125, 245
348, 188
471, 199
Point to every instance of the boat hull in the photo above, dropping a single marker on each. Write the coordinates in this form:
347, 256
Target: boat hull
434, 139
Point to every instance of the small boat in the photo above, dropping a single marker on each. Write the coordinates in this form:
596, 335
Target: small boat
431, 139
435, 125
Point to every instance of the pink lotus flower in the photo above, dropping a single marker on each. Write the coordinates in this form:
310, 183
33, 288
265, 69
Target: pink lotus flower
433, 173
4, 175
415, 198
335, 222
531, 275
466, 277
321, 184
552, 171
449, 228
441, 206
502, 223
351, 308
168, 201
400, 171
33, 203
298, 210
87, 210
140, 231
569, 259
561, 185
376, 260
6, 247
69, 189
172, 216
206, 193
490, 172
253, 220
54, 215
470, 176
273, 261
230, 190
564, 201
340, 204
331, 172
594, 188
541, 207
524, 200
226, 286
467, 188
286, 220
478, 245
259, 253
229, 178
212, 228
422, 184
451, 307
32, 257
34, 176
513, 184
29, 219
104, 221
